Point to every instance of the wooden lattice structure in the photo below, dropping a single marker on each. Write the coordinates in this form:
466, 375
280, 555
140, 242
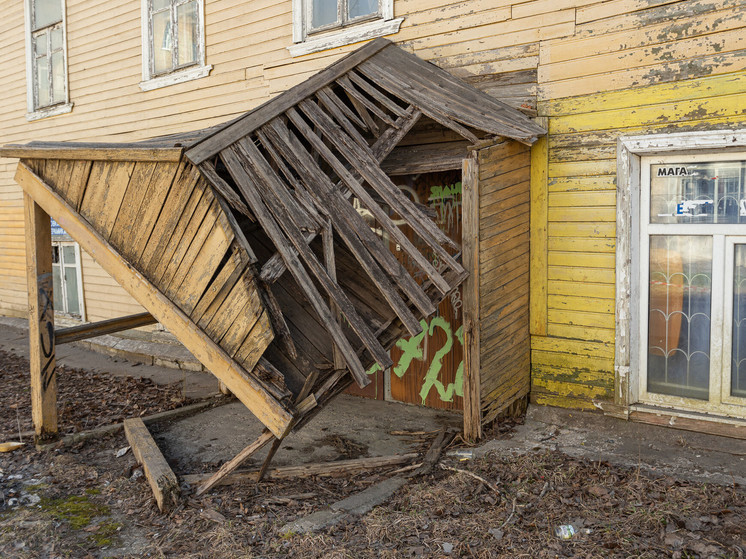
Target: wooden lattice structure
245, 240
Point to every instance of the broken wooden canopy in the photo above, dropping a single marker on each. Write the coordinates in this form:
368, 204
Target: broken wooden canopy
246, 242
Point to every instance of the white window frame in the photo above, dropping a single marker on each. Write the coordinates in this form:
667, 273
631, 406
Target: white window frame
194, 71
308, 40
34, 112
78, 272
630, 318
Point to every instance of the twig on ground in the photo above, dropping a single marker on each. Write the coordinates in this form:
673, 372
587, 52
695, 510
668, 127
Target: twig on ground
475, 476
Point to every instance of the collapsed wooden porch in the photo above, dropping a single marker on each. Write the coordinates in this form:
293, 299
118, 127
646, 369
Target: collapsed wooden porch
247, 243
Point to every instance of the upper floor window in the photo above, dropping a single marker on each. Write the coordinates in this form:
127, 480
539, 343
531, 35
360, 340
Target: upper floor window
173, 42
325, 24
46, 58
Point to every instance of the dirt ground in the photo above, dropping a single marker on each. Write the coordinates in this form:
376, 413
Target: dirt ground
85, 501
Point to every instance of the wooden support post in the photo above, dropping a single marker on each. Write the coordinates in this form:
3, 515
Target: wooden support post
470, 243
41, 319
239, 459
161, 478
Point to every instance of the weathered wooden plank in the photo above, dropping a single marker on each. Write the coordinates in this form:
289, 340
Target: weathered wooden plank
376, 94
198, 267
275, 198
219, 288
147, 214
69, 150
382, 184
265, 407
342, 118
362, 110
471, 299
77, 183
129, 211
41, 317
236, 461
355, 95
428, 158
211, 145
164, 265
173, 207
384, 257
161, 478
349, 226
225, 190
249, 189
103, 199
93, 329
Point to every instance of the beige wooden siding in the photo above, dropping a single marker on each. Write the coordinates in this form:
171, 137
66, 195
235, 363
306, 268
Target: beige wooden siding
104, 298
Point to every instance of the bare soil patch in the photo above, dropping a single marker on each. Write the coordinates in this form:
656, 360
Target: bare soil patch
86, 399
84, 501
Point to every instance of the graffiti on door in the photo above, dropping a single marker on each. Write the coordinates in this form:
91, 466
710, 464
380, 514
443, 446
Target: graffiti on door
428, 368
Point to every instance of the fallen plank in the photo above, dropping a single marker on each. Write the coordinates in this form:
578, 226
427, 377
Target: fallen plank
322, 469
433, 454
157, 471
239, 459
76, 438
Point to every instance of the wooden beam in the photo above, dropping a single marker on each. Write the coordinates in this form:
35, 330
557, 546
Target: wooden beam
85, 331
161, 478
323, 469
249, 391
428, 158
327, 238
92, 152
234, 463
472, 318
41, 319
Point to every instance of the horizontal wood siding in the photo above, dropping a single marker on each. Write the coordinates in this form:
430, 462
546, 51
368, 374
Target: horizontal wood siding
504, 275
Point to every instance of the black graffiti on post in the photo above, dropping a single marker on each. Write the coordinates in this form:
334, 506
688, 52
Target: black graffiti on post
47, 346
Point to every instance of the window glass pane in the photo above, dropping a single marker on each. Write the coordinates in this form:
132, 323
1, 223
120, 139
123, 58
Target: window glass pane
161, 50
71, 289
359, 8
42, 82
68, 255
57, 300
160, 4
679, 315
698, 192
40, 44
56, 38
46, 12
186, 15
738, 352
58, 77
324, 12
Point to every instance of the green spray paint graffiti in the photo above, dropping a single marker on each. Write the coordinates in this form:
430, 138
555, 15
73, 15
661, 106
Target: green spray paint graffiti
412, 349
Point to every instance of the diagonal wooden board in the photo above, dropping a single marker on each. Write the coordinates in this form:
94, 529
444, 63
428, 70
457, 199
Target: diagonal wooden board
253, 395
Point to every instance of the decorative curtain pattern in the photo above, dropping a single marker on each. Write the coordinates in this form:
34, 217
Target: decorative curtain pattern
679, 315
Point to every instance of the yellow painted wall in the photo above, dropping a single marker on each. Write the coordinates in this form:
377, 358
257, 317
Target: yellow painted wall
592, 69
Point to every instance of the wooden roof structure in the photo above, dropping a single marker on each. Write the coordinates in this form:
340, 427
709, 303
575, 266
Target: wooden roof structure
245, 240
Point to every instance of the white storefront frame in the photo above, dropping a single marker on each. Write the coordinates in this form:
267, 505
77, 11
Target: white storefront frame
629, 323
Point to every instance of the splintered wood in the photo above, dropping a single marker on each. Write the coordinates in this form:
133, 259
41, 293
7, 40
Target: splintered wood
274, 247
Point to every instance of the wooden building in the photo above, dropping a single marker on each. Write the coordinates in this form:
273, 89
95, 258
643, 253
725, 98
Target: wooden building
640, 174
